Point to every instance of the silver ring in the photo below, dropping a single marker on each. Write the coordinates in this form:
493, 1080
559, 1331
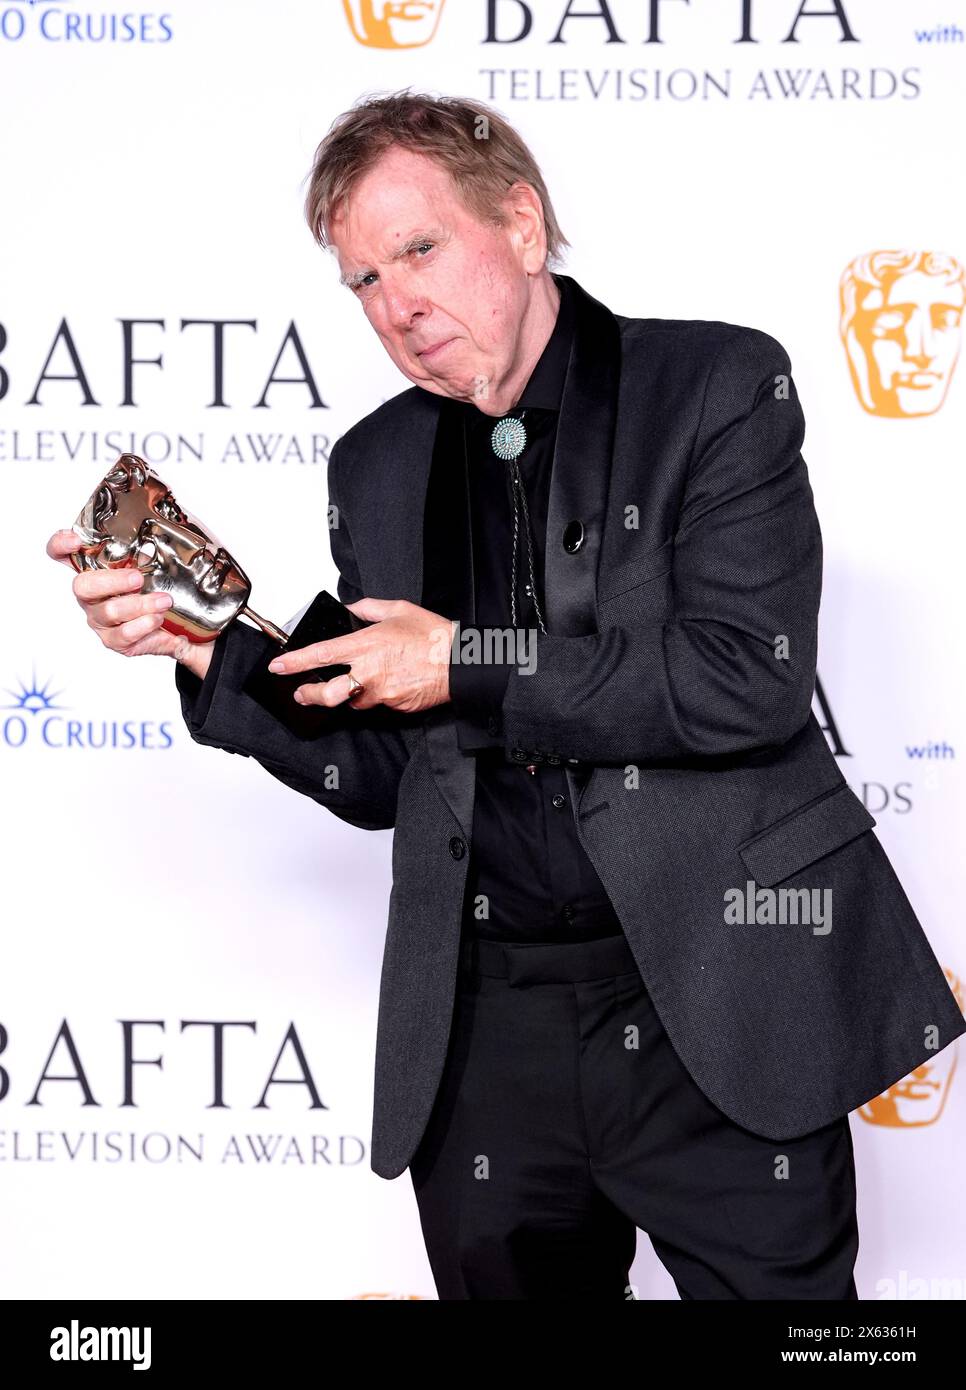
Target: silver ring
355, 687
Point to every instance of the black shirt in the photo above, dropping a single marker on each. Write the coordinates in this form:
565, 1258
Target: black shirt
528, 870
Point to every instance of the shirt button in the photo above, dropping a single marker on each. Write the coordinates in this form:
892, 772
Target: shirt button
568, 913
493, 725
573, 536
456, 847
559, 800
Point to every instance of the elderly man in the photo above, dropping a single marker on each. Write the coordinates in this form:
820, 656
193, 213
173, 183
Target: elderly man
579, 1034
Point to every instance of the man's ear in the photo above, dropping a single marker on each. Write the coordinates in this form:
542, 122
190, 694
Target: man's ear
523, 208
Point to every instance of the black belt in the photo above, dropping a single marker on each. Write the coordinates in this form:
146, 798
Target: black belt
525, 962
585, 921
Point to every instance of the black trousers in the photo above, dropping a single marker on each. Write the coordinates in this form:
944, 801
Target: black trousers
565, 1121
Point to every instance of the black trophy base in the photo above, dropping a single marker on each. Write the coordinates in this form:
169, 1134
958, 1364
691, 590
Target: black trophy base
324, 619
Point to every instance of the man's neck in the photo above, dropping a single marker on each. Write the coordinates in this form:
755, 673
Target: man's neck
536, 331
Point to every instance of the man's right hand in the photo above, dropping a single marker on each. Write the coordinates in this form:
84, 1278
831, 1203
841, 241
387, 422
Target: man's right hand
125, 619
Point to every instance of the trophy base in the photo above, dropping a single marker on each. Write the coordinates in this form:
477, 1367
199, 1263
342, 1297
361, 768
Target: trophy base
324, 618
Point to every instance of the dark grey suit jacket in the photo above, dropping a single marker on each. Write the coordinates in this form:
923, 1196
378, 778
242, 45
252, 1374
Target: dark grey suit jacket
660, 657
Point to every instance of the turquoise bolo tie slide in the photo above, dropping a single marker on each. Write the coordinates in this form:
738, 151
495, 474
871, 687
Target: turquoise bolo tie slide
509, 438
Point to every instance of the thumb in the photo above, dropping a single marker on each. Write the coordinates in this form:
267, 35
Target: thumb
372, 609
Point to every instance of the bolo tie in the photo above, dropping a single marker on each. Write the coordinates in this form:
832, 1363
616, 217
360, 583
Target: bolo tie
508, 441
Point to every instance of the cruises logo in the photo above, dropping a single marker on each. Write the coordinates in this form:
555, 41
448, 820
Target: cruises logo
48, 23
35, 714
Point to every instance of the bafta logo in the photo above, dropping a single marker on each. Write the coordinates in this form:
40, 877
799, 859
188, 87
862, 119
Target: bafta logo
393, 23
900, 316
917, 1099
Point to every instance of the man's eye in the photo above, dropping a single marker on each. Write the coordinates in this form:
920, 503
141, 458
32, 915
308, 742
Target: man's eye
427, 244
362, 284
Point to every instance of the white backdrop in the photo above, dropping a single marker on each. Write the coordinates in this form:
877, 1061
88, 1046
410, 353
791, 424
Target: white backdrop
152, 168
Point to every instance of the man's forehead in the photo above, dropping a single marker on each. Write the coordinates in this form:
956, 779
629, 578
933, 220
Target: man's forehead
389, 205
386, 245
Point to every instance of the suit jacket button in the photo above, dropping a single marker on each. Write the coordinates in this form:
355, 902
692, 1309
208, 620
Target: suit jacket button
559, 801
456, 847
573, 536
520, 755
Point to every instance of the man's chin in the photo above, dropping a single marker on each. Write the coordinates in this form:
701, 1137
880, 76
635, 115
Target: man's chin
454, 390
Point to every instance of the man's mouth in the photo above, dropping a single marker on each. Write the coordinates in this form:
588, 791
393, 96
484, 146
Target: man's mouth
431, 351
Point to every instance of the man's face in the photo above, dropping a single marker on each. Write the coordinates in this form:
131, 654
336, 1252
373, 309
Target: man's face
446, 293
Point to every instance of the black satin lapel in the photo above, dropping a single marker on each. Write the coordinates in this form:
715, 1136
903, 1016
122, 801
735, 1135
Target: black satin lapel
398, 511
581, 467
447, 536
447, 588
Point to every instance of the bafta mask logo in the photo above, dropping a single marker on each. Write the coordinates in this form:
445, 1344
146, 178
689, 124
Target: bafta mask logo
133, 520
917, 1099
900, 316
393, 23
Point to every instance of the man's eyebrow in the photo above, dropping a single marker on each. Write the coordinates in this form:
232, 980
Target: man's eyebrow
433, 234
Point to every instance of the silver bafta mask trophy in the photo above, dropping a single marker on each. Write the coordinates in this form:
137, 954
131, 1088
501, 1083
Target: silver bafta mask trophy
132, 520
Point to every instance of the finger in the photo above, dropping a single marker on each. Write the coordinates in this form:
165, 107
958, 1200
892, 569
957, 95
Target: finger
114, 611
62, 544
335, 652
375, 609
93, 585
331, 693
127, 634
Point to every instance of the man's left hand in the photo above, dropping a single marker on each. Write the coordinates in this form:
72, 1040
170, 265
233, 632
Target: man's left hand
402, 660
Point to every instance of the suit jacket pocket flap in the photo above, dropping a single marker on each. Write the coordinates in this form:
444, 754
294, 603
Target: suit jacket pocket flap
831, 820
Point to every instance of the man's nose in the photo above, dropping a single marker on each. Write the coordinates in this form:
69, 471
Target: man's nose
402, 305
